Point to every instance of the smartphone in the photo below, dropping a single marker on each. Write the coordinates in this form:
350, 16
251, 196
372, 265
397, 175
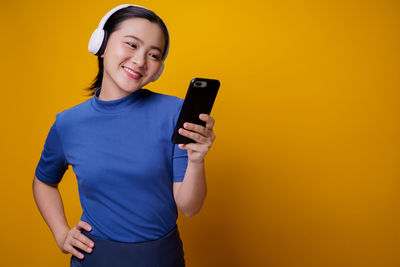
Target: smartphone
199, 99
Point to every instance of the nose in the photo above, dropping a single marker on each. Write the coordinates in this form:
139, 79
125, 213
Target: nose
139, 59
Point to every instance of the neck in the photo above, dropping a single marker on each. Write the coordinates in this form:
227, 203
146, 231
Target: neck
110, 91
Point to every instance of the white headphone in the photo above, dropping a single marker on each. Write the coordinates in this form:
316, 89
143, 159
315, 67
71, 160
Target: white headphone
99, 36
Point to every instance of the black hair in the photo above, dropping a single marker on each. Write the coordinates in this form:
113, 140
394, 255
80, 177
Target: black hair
113, 24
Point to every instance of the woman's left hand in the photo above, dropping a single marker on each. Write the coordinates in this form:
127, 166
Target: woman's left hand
204, 136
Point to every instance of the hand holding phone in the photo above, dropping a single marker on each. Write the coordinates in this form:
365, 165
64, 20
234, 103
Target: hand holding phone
199, 99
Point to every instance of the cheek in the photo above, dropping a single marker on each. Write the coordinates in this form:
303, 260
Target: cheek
155, 67
118, 53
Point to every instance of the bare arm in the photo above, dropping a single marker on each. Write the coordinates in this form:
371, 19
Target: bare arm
49, 202
50, 205
191, 193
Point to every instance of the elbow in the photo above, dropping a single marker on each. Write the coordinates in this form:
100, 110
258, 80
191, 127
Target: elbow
191, 209
190, 213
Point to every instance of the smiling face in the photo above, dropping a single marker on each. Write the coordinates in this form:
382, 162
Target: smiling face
132, 58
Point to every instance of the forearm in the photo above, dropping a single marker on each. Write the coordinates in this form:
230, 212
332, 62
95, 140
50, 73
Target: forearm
193, 190
50, 205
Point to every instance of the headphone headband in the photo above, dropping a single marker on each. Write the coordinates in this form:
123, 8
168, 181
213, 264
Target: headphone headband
112, 11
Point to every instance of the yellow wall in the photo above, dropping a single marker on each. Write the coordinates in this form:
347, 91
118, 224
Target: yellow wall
305, 168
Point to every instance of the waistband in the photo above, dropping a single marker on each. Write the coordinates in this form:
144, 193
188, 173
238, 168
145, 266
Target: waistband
165, 251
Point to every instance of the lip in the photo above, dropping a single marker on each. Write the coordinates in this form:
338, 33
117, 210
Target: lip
130, 74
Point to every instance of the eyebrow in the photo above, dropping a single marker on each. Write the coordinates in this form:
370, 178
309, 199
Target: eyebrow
141, 41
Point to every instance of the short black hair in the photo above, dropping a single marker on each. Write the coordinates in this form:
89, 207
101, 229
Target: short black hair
113, 24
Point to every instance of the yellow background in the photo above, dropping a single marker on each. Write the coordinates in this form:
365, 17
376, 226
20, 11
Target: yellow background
305, 168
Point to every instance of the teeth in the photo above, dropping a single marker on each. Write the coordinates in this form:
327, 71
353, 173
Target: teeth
128, 70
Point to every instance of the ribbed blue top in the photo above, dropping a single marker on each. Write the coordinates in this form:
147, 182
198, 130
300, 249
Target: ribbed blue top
117, 105
124, 161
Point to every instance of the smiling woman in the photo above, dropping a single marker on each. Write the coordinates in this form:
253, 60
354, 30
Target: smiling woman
132, 179
130, 63
127, 38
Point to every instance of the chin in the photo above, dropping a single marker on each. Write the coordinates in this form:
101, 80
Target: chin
130, 88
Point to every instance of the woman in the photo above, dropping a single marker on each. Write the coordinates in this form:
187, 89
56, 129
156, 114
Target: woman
131, 177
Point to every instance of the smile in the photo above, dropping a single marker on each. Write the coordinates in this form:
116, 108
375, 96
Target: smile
132, 74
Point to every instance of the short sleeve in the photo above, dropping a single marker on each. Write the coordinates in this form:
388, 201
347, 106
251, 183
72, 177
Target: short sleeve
52, 164
180, 160
180, 157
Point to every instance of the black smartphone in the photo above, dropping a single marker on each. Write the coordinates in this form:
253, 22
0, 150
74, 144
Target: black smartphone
199, 99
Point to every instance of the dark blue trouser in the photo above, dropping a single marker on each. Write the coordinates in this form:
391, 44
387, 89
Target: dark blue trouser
164, 252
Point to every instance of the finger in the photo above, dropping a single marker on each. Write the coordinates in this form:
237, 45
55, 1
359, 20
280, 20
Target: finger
74, 252
84, 225
196, 147
192, 135
197, 128
84, 239
182, 146
78, 244
208, 119
186, 146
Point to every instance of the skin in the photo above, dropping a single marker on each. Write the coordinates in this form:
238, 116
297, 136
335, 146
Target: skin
141, 56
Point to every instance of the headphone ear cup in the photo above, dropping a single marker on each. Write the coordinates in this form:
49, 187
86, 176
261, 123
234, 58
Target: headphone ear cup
103, 44
96, 41
159, 72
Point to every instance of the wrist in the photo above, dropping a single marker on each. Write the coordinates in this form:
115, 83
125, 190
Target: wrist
60, 236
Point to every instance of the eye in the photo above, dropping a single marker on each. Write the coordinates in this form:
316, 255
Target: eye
132, 45
157, 57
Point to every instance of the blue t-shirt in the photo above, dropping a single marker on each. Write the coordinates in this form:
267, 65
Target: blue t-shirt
124, 161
